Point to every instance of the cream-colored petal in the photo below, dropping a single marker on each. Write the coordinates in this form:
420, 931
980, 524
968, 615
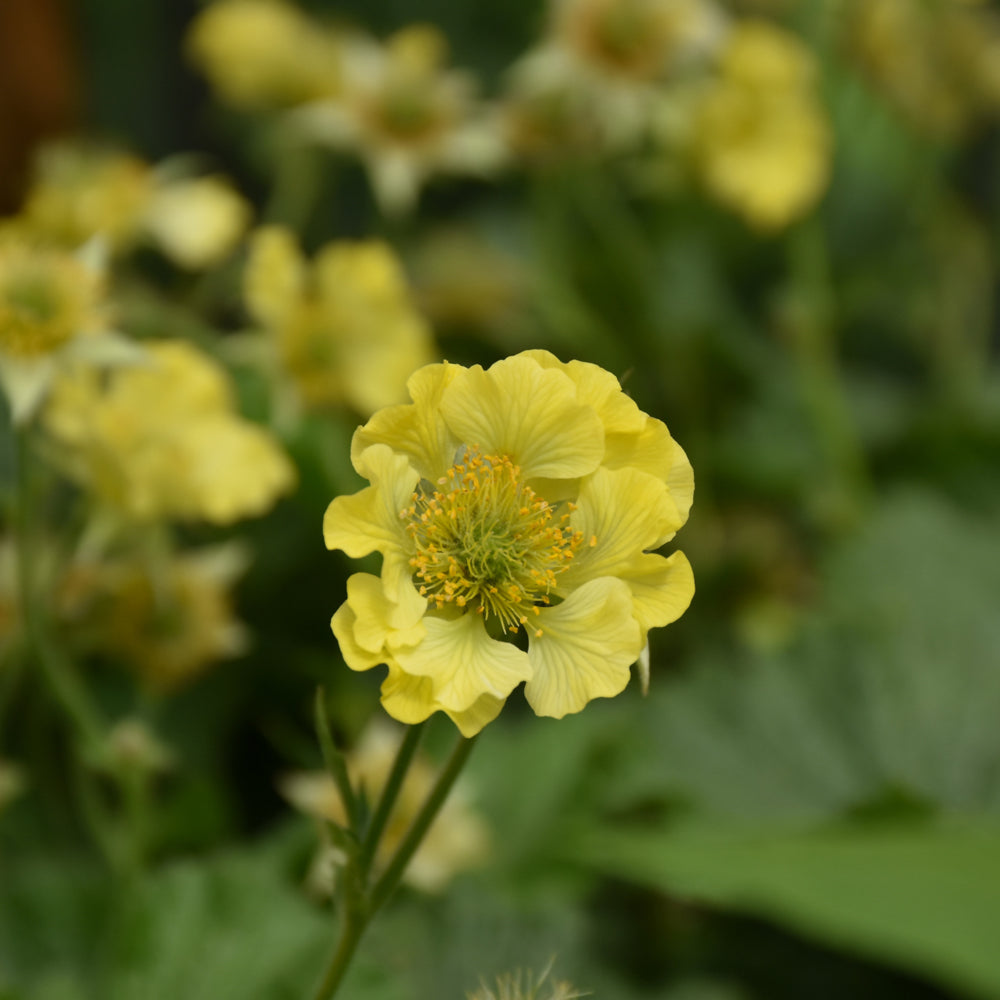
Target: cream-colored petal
600, 389
662, 588
355, 656
585, 650
484, 710
653, 450
407, 698
415, 429
25, 382
464, 663
382, 621
396, 177
621, 513
530, 413
369, 521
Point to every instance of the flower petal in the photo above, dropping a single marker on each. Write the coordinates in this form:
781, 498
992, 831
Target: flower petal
355, 656
530, 413
464, 663
382, 621
653, 450
662, 588
407, 698
415, 429
585, 650
597, 388
368, 521
25, 382
621, 513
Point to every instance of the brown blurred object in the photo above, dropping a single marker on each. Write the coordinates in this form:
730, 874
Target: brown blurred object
39, 86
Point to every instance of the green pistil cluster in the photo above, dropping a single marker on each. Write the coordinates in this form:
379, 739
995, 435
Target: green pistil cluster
486, 540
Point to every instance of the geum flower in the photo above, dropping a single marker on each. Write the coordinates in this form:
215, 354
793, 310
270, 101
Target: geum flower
52, 312
516, 510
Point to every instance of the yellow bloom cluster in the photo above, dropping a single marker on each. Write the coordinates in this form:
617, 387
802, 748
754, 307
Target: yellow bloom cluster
762, 139
458, 838
345, 328
515, 506
163, 439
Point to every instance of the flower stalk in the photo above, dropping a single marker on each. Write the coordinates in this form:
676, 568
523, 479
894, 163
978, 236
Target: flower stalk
360, 896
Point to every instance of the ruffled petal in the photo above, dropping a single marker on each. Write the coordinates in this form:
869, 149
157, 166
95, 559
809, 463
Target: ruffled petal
621, 513
415, 429
407, 698
355, 655
368, 521
381, 621
529, 413
411, 700
653, 450
585, 650
597, 388
662, 588
464, 663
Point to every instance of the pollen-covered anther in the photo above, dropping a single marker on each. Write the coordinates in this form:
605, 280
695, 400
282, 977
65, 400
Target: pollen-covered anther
489, 542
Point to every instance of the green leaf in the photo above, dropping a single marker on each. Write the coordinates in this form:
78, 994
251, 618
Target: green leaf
923, 897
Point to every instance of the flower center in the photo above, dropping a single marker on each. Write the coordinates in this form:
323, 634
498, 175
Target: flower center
41, 303
486, 540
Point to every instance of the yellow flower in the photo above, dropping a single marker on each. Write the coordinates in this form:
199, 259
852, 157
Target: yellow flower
457, 839
264, 53
52, 310
608, 58
527, 498
762, 140
406, 115
169, 623
78, 192
345, 328
164, 440
196, 221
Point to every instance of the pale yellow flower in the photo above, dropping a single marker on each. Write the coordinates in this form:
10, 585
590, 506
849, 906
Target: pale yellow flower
264, 53
609, 58
167, 623
196, 221
79, 191
406, 116
762, 140
526, 498
164, 439
344, 327
458, 838
52, 311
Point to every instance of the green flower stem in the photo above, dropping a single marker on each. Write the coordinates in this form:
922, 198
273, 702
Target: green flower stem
418, 828
360, 906
388, 797
55, 669
334, 761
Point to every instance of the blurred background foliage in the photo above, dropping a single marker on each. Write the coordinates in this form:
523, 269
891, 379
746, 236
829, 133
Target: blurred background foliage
806, 804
